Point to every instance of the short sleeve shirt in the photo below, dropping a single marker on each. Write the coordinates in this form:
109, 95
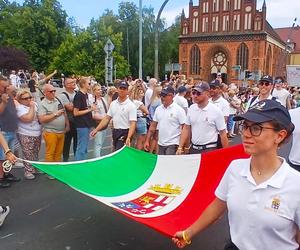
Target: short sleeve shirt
169, 121
81, 102
28, 128
47, 107
222, 104
122, 113
264, 216
206, 123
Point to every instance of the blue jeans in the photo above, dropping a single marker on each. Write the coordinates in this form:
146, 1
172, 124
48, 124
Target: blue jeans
10, 138
83, 135
230, 124
98, 142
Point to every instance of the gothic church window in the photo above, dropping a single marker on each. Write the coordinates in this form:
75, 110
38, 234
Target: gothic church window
243, 56
195, 60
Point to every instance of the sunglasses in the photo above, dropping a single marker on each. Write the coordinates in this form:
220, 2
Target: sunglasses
122, 88
197, 93
52, 91
26, 98
264, 83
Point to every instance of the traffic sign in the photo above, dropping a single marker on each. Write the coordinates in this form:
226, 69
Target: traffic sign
236, 67
109, 46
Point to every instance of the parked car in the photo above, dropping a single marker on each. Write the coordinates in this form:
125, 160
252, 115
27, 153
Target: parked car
56, 83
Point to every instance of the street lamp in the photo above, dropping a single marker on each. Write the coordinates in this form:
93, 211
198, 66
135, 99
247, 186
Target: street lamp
156, 74
141, 40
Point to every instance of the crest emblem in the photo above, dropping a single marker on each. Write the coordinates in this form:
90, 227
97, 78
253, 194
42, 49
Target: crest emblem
155, 199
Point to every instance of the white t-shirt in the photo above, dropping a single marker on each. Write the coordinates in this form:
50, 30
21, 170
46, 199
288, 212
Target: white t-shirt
294, 156
205, 123
264, 216
138, 104
169, 124
122, 113
181, 101
100, 113
33, 128
222, 104
282, 95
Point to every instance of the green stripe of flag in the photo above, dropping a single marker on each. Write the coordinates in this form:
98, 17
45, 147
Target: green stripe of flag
115, 175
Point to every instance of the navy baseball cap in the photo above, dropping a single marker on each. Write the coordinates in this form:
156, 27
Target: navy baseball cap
182, 89
202, 87
167, 90
123, 84
268, 110
266, 78
215, 84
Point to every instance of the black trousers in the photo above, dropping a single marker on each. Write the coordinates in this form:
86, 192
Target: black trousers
72, 134
119, 138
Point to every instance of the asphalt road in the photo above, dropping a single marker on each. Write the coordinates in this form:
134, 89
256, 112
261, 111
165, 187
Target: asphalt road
46, 214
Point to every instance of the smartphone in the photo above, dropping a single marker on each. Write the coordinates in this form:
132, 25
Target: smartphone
60, 106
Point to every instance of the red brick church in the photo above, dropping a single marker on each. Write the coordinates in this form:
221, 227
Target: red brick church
229, 36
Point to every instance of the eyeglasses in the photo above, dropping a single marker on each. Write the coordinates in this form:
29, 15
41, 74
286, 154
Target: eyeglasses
264, 83
26, 98
52, 91
195, 92
255, 128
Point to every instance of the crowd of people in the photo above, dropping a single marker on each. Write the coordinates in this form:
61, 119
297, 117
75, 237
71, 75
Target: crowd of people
175, 116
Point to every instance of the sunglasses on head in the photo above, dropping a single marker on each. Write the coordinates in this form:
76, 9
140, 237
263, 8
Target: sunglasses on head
265, 83
26, 98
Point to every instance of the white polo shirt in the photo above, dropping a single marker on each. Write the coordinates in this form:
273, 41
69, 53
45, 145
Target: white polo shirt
205, 123
294, 156
169, 124
264, 216
122, 113
222, 104
281, 95
181, 101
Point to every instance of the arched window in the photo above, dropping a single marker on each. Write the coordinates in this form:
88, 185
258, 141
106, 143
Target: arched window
269, 61
195, 60
243, 56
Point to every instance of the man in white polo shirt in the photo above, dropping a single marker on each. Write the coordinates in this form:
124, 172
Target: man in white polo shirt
124, 115
203, 124
281, 94
168, 120
217, 98
294, 157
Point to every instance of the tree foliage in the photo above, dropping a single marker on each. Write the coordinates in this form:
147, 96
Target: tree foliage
12, 58
52, 40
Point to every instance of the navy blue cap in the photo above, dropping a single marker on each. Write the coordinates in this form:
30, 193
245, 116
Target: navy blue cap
203, 86
182, 89
215, 84
123, 84
167, 90
266, 78
268, 110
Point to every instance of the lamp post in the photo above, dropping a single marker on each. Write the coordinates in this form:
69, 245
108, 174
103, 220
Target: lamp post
156, 74
141, 39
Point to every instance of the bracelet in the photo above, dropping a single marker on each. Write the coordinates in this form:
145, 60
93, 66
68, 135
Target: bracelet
188, 242
7, 151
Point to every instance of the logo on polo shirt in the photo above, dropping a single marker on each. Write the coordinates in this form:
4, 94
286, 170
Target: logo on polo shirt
274, 205
259, 106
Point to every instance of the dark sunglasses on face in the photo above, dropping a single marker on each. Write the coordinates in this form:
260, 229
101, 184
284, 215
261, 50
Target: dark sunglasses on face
195, 92
265, 83
122, 88
26, 98
52, 91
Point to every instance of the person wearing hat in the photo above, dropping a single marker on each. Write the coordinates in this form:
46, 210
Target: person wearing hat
281, 94
203, 124
217, 98
180, 99
261, 193
124, 115
168, 119
265, 86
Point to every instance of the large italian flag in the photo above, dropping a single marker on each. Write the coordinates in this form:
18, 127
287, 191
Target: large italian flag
167, 193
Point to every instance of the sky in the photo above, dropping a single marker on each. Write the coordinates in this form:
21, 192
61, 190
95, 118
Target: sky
280, 13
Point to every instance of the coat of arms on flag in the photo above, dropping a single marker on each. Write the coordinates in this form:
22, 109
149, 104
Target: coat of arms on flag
151, 201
